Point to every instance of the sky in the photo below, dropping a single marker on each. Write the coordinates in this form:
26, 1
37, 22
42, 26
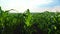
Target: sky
33, 5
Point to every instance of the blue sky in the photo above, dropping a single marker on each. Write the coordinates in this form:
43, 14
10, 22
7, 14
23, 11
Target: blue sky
33, 5
52, 4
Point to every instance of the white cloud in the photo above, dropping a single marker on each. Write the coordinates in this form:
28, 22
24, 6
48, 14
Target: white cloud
51, 9
22, 5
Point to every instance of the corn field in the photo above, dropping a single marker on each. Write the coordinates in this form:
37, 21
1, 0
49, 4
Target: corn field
29, 23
